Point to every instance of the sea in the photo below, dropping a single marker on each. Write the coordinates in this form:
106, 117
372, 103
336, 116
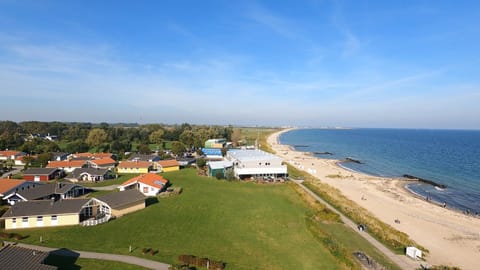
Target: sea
448, 157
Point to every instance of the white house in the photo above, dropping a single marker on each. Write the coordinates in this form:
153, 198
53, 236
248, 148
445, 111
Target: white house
149, 184
256, 163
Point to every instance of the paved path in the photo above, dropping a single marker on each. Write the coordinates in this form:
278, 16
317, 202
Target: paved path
14, 171
402, 261
101, 256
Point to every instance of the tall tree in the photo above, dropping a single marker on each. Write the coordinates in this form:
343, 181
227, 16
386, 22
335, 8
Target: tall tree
156, 136
96, 137
177, 147
236, 134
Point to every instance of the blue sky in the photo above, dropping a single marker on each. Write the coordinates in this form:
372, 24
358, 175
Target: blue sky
307, 63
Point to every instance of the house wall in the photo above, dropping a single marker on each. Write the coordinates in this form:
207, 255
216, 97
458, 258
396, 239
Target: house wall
128, 209
152, 191
170, 169
43, 178
132, 170
62, 220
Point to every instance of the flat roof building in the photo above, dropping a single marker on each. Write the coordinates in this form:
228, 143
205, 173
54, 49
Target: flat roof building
256, 163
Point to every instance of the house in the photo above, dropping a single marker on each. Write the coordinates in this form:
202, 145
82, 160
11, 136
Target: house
67, 166
8, 186
93, 155
102, 163
14, 257
215, 143
213, 153
46, 192
124, 202
168, 165
149, 184
142, 157
59, 156
85, 212
134, 167
256, 163
89, 174
11, 154
185, 161
42, 174
215, 167
48, 213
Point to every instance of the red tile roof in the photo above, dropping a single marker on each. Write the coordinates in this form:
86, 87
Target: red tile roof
168, 163
94, 155
9, 153
150, 179
103, 161
8, 184
66, 164
134, 164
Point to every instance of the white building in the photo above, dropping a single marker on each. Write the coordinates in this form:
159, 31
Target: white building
256, 163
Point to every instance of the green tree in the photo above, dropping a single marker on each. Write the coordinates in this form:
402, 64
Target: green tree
156, 136
201, 162
96, 137
229, 174
236, 136
27, 160
219, 175
43, 159
177, 147
188, 138
144, 149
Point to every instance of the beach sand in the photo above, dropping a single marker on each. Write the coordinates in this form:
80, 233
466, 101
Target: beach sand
451, 237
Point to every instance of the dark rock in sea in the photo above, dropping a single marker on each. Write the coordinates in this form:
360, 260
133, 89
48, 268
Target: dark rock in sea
426, 181
323, 153
300, 145
348, 159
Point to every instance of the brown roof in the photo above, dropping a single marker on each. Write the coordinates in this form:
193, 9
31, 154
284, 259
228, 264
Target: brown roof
9, 153
94, 155
103, 161
134, 164
168, 163
14, 257
66, 164
45, 207
9, 184
117, 200
151, 179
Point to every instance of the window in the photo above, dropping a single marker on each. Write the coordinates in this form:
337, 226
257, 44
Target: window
14, 220
40, 218
54, 218
145, 189
25, 219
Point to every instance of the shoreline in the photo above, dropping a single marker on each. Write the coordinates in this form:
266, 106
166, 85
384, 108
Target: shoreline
452, 237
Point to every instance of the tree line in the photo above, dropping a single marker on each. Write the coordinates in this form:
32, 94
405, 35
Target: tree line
104, 137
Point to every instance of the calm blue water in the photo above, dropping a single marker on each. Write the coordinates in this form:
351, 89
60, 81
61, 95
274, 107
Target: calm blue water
450, 157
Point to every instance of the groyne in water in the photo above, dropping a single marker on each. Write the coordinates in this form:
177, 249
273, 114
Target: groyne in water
426, 181
322, 153
349, 159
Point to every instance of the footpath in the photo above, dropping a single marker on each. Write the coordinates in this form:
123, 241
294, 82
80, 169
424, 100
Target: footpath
402, 261
100, 256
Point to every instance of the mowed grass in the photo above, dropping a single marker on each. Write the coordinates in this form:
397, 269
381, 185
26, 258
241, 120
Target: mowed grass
246, 225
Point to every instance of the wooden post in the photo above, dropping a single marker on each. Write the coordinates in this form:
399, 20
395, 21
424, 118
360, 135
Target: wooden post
130, 248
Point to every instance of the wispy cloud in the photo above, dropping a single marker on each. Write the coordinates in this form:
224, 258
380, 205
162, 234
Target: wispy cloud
274, 22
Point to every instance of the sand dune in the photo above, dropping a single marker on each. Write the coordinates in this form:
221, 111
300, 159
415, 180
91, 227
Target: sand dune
451, 237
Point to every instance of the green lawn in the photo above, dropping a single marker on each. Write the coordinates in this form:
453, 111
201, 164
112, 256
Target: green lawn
246, 225
71, 263
109, 182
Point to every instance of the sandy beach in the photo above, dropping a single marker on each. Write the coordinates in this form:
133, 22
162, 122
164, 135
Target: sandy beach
451, 237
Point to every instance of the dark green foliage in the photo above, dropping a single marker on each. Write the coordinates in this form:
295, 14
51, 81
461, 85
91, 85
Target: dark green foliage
201, 162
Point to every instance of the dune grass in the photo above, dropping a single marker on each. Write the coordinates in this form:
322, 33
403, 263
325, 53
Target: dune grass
246, 225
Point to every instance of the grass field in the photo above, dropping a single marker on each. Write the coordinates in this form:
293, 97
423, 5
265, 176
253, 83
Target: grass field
122, 178
247, 225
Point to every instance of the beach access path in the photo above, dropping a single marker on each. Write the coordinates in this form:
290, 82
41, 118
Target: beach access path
100, 256
400, 260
